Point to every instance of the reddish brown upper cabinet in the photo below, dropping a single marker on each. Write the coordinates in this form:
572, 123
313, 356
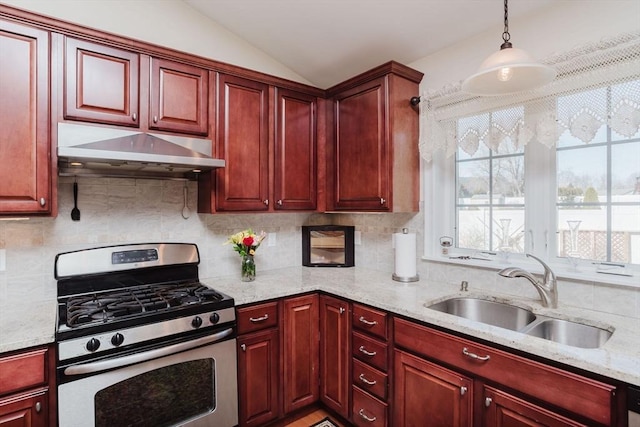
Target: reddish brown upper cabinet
295, 171
300, 352
335, 354
25, 161
101, 83
179, 97
373, 153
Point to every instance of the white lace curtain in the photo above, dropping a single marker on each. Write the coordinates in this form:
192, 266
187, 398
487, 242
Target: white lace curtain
597, 84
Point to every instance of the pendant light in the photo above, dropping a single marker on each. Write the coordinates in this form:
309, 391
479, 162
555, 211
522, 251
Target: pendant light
509, 70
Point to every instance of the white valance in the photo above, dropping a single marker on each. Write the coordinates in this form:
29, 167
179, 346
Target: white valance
597, 84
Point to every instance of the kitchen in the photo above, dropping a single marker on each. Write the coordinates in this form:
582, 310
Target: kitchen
118, 211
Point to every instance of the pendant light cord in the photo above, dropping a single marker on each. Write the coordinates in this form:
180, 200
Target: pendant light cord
505, 34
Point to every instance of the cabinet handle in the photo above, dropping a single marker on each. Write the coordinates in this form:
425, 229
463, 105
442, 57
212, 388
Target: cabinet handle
364, 416
279, 202
134, 117
466, 352
155, 119
38, 407
259, 319
463, 391
367, 353
367, 322
266, 202
366, 381
341, 310
383, 200
43, 201
487, 401
243, 347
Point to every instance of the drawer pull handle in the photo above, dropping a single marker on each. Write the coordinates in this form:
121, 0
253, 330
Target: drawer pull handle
463, 391
367, 322
366, 381
243, 347
466, 352
487, 401
367, 353
259, 319
38, 407
364, 416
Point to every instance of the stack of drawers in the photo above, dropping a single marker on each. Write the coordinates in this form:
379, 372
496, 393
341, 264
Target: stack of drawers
370, 380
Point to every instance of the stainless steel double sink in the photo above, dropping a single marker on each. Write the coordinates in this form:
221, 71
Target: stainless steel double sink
525, 321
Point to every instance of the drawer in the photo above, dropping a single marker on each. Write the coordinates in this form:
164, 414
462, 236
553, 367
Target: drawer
24, 370
257, 317
367, 410
369, 379
371, 321
369, 350
575, 393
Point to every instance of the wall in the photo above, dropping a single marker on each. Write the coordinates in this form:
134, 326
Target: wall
122, 211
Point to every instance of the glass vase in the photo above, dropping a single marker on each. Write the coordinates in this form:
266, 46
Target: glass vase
248, 269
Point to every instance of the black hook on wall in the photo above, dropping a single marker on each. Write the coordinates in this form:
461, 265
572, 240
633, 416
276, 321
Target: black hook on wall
415, 100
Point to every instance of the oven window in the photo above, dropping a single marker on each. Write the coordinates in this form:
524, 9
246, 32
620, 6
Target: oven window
162, 397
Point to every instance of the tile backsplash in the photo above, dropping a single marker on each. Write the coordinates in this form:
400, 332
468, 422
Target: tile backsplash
118, 211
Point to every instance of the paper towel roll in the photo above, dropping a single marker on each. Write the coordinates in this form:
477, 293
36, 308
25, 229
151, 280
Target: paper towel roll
405, 257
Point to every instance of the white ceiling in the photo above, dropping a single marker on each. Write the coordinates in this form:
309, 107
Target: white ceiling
328, 41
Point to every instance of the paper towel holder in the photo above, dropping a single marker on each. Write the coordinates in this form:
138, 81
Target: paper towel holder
403, 279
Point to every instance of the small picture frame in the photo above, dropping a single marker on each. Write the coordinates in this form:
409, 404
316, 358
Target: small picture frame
328, 245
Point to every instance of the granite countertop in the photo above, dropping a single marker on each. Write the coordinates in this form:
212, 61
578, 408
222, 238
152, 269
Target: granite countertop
619, 358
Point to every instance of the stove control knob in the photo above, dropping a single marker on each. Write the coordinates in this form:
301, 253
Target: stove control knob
117, 339
196, 322
215, 318
93, 344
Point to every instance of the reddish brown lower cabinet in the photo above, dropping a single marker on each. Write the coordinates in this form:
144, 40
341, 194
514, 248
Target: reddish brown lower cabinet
369, 411
258, 377
300, 359
503, 409
27, 388
427, 394
335, 354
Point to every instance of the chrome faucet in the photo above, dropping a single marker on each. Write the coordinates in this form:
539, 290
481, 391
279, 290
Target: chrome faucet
548, 288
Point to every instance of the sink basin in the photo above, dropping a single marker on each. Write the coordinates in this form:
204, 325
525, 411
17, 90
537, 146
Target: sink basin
570, 333
490, 312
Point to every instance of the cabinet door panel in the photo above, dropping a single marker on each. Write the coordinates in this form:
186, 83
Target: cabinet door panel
258, 379
25, 172
28, 411
101, 83
295, 152
301, 353
243, 184
179, 97
334, 354
502, 409
361, 151
427, 394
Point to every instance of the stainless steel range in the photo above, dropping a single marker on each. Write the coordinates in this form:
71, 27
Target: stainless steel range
141, 342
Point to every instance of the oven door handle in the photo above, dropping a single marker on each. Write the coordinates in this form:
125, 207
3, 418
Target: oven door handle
92, 367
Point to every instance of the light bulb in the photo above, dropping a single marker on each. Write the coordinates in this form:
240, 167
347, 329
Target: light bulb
505, 74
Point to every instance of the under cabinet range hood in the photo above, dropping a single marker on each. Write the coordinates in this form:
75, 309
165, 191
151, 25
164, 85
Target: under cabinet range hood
88, 150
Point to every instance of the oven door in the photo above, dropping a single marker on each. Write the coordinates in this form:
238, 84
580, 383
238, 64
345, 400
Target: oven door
191, 384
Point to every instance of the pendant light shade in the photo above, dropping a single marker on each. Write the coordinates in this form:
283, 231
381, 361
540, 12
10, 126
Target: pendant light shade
507, 71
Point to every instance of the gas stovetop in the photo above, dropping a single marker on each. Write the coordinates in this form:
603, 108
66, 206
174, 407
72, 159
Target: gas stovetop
113, 297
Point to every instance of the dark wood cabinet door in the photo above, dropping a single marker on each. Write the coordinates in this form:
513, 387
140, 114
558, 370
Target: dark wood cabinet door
243, 142
179, 96
362, 164
300, 358
101, 83
258, 377
426, 394
295, 172
28, 411
503, 409
25, 164
334, 354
